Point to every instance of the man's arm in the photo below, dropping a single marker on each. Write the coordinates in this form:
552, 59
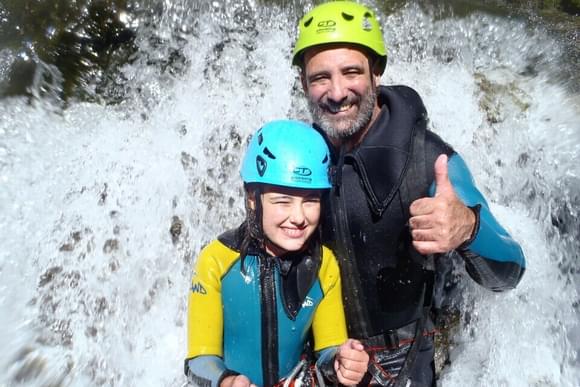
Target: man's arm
457, 217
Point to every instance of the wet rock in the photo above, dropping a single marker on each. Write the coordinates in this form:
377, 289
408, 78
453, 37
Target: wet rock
91, 331
175, 229
101, 306
182, 129
448, 323
103, 195
498, 98
74, 238
110, 246
49, 275
188, 161
523, 160
114, 265
29, 365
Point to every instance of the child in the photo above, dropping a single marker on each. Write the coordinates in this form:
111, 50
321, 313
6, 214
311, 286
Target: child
257, 290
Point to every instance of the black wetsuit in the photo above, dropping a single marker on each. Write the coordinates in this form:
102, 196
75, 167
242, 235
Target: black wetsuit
387, 285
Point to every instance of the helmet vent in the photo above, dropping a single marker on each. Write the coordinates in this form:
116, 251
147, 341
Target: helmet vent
368, 15
308, 22
269, 154
260, 139
325, 160
347, 17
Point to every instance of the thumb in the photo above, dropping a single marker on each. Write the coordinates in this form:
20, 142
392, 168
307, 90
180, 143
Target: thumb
356, 344
442, 183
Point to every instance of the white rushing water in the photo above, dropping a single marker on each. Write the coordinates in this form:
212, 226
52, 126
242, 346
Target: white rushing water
104, 207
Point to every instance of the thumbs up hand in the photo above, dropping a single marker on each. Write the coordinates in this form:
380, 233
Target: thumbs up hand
441, 223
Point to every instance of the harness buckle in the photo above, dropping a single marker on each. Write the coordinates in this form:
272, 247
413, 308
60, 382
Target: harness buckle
391, 338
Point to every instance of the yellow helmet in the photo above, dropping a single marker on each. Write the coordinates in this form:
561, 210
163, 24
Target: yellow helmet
340, 22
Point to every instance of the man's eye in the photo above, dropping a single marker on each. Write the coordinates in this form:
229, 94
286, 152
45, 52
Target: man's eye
318, 78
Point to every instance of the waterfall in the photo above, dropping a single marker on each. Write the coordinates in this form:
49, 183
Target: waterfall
105, 203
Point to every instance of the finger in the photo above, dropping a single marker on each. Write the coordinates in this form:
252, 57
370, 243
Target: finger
352, 358
355, 344
241, 381
341, 374
429, 247
355, 360
442, 183
422, 222
352, 344
422, 206
349, 377
423, 236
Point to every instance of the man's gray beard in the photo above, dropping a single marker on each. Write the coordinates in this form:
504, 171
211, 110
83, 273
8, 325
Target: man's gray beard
350, 126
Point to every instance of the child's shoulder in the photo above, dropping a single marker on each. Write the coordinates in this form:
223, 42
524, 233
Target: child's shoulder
217, 253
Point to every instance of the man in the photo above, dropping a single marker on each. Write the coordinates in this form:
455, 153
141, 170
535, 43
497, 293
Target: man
401, 197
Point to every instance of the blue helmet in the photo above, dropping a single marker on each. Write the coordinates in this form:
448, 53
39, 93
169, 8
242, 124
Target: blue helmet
287, 153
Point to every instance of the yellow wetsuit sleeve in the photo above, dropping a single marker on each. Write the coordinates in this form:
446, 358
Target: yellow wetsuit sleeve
204, 309
329, 324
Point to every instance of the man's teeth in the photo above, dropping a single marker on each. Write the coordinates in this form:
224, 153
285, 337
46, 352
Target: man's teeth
340, 109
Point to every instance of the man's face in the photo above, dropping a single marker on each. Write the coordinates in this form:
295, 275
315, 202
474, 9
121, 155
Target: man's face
341, 90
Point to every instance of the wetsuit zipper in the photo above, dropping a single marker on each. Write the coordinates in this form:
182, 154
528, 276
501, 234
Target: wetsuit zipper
269, 322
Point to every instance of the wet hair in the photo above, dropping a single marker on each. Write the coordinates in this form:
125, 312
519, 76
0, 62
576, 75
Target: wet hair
252, 233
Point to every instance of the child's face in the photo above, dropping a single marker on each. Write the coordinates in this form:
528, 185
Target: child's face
289, 217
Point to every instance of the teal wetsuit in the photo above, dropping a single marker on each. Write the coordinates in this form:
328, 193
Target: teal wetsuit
256, 322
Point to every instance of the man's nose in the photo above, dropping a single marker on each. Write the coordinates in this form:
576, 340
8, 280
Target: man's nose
337, 91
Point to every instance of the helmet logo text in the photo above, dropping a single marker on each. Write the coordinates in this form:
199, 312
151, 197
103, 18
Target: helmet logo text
302, 171
326, 23
326, 26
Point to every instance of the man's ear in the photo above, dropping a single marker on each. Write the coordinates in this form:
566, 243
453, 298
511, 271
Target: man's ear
377, 79
377, 71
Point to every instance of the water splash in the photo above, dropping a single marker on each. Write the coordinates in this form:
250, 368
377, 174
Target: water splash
105, 206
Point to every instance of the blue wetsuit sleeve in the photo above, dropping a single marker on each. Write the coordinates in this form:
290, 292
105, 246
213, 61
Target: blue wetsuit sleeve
207, 371
325, 363
492, 257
